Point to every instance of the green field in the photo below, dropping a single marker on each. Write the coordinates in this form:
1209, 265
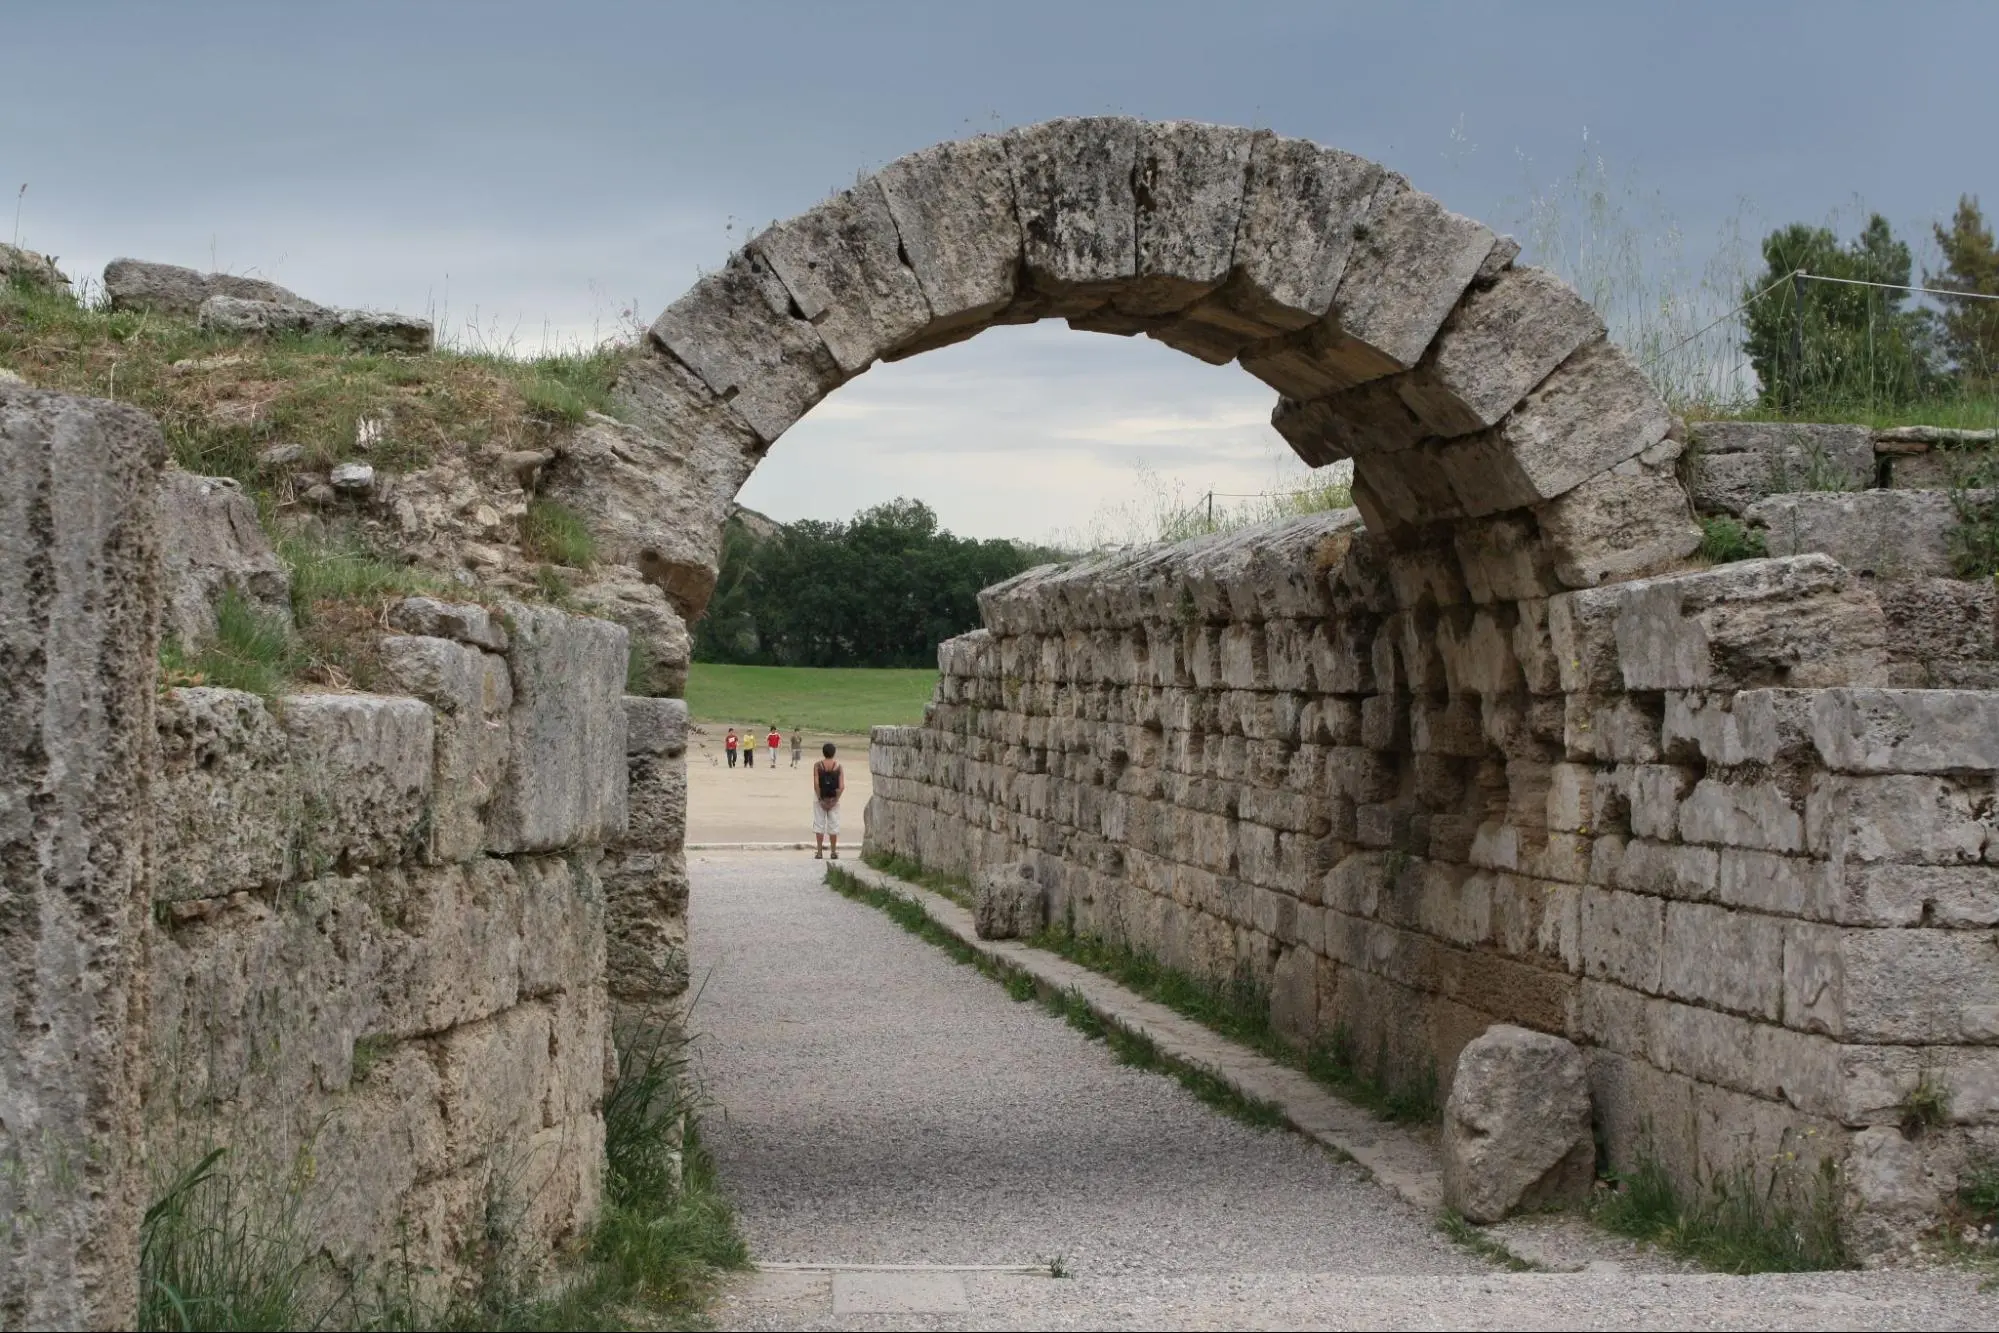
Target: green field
837, 699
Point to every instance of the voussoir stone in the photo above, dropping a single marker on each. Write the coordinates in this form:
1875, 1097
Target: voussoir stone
953, 210
1517, 1125
1503, 340
1072, 181
839, 262
737, 330
1187, 188
1008, 902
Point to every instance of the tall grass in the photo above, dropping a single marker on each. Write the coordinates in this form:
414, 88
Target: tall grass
219, 1249
1781, 1219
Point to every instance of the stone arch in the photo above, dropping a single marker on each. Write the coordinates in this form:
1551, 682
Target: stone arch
1397, 333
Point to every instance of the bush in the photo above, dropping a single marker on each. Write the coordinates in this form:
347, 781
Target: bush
1725, 539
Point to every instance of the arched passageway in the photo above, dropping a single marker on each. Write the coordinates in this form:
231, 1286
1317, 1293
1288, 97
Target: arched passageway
1398, 334
1501, 756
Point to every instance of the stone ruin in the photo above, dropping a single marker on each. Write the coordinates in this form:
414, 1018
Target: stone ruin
1486, 752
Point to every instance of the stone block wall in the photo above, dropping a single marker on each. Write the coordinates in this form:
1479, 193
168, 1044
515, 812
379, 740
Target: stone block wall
378, 965
1682, 820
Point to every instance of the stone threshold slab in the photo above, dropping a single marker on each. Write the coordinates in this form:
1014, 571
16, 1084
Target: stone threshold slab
1402, 1160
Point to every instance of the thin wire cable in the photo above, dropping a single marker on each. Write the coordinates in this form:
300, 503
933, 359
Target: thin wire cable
1660, 356
1894, 287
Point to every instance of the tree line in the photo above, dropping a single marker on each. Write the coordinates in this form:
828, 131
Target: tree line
1862, 339
881, 590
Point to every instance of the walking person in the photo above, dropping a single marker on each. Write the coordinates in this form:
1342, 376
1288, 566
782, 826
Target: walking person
829, 783
729, 744
750, 750
772, 740
797, 748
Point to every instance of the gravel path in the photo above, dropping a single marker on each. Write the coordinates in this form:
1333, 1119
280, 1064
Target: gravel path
876, 1103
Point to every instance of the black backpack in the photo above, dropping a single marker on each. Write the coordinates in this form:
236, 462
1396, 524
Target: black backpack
829, 781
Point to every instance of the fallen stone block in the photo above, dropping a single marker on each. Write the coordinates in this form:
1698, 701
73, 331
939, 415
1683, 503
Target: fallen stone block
1517, 1126
168, 289
1008, 902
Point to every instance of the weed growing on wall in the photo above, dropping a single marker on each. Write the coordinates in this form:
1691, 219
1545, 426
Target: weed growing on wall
1781, 1217
1725, 539
556, 533
252, 651
221, 1248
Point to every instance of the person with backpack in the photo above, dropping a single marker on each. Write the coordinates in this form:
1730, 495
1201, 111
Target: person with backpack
829, 783
729, 744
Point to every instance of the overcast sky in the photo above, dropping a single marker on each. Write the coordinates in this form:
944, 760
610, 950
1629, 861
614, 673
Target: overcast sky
544, 173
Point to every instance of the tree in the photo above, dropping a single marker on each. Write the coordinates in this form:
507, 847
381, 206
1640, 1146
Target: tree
1971, 264
882, 590
1832, 342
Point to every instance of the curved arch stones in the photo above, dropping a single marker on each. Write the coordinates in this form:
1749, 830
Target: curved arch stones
1397, 333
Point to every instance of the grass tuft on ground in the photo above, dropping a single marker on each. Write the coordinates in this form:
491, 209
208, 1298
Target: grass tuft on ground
1781, 1219
841, 700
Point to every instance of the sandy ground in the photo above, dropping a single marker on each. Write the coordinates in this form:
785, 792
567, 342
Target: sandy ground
768, 805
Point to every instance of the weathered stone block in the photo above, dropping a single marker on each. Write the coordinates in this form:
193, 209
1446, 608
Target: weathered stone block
1893, 817
1187, 188
1906, 731
1630, 520
227, 803
79, 667
1733, 960
1890, 985
1737, 463
366, 765
1008, 902
461, 622
659, 727
736, 330
1072, 181
1890, 534
566, 766
167, 289
1742, 813
212, 546
954, 214
1502, 341
1517, 1125
1620, 936
472, 697
839, 262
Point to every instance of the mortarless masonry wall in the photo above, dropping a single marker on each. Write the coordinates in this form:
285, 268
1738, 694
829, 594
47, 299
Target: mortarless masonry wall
1676, 819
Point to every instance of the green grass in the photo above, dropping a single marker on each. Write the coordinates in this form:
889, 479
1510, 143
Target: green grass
1240, 1011
1725, 539
955, 887
1786, 1221
554, 532
252, 650
1130, 1048
845, 700
1956, 412
1471, 1238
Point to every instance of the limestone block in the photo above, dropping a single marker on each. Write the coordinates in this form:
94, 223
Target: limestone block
736, 330
1619, 937
1628, 521
453, 955
227, 801
1666, 870
79, 640
366, 765
1947, 897
954, 214
1517, 1126
1891, 1199
1404, 277
1368, 419
566, 768
1748, 727
493, 1078
1890, 534
839, 262
1742, 813
1733, 960
1404, 489
659, 727
1941, 632
1503, 340
655, 490
1008, 902
472, 697
661, 647
166, 289
657, 798
1072, 181
1645, 1113
32, 270
1187, 186
1736, 463
1798, 621
1894, 817
462, 622
1906, 731
1890, 985
1301, 204
211, 545
562, 924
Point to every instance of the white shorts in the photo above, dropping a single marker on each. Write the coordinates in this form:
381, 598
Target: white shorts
826, 821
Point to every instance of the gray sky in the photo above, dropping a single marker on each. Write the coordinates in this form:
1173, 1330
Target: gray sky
538, 174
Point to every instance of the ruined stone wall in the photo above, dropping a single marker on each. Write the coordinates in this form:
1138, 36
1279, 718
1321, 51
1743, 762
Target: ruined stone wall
377, 974
1413, 793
